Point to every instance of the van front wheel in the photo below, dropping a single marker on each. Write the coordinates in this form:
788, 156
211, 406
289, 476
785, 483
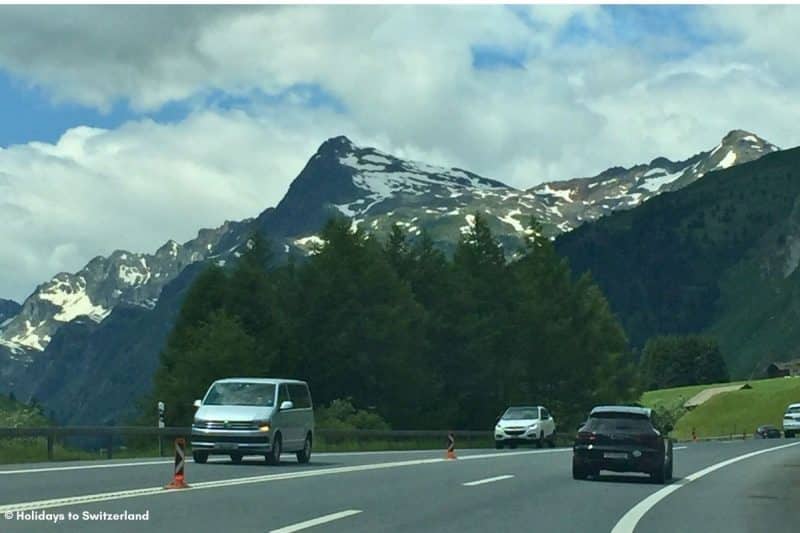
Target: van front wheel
274, 455
304, 455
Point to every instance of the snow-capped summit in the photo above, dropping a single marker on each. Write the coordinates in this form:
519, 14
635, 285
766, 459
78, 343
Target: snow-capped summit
92, 292
582, 199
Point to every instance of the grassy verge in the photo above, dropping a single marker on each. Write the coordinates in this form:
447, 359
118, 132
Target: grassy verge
734, 412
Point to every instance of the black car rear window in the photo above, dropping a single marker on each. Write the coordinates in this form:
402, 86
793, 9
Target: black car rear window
619, 422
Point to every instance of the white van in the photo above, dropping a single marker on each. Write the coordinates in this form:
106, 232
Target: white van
254, 416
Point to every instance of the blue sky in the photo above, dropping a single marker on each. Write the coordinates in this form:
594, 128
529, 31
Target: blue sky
126, 126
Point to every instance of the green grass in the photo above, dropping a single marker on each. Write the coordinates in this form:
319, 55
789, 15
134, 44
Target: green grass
734, 412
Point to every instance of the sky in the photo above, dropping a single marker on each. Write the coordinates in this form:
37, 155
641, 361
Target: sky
124, 126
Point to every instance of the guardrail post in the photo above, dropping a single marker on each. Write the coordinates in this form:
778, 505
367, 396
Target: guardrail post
110, 444
160, 445
50, 438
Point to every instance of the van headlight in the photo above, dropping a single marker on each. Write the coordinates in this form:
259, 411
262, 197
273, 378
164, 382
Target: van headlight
263, 426
533, 426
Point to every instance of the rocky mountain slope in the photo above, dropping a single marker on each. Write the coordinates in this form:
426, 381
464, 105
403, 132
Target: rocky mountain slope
373, 188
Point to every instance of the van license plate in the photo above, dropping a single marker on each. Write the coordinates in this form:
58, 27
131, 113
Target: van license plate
227, 445
615, 455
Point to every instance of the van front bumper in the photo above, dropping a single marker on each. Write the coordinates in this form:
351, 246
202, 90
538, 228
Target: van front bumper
232, 441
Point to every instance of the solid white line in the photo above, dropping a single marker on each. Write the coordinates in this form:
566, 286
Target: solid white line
680, 447
154, 491
487, 480
316, 521
628, 522
81, 467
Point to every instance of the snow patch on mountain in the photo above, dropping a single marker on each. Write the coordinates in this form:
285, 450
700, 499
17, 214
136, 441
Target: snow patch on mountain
513, 222
657, 178
72, 301
728, 160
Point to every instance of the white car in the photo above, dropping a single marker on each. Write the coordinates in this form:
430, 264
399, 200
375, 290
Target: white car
791, 420
525, 425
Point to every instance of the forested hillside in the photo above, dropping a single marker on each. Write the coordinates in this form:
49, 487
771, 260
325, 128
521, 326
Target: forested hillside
425, 341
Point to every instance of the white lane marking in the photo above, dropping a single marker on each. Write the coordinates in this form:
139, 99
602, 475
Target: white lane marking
487, 480
152, 491
81, 467
680, 447
212, 460
628, 522
316, 521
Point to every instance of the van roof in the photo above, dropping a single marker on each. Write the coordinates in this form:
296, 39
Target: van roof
273, 381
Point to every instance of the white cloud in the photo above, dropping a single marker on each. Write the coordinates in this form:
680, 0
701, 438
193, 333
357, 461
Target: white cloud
135, 187
404, 77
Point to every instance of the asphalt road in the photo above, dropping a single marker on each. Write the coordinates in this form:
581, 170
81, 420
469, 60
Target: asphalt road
747, 486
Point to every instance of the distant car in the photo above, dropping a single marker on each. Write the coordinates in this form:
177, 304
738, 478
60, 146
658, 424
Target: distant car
791, 420
768, 432
254, 416
621, 439
525, 425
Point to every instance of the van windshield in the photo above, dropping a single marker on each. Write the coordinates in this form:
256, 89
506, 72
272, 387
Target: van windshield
241, 393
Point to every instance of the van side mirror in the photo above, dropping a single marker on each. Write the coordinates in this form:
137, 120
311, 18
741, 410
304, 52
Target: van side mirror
198, 403
287, 405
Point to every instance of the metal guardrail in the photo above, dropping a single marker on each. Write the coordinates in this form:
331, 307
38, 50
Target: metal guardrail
52, 433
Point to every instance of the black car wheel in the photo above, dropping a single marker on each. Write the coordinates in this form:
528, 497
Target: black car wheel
578, 472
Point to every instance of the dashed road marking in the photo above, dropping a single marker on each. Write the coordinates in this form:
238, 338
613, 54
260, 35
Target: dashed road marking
316, 521
487, 480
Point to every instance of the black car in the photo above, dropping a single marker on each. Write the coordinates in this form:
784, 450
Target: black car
621, 439
768, 432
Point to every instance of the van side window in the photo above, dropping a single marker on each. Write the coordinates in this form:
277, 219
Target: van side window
545, 414
299, 395
283, 394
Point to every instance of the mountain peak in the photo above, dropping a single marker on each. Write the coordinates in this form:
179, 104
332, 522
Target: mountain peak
336, 146
746, 139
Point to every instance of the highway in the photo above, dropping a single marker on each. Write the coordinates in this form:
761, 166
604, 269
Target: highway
747, 486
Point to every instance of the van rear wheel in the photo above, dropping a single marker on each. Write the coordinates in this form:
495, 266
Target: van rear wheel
200, 457
304, 455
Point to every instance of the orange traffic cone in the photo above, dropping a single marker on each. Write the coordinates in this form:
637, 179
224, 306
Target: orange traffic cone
178, 480
451, 447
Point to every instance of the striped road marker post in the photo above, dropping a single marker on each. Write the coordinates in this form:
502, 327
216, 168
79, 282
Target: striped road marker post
178, 479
